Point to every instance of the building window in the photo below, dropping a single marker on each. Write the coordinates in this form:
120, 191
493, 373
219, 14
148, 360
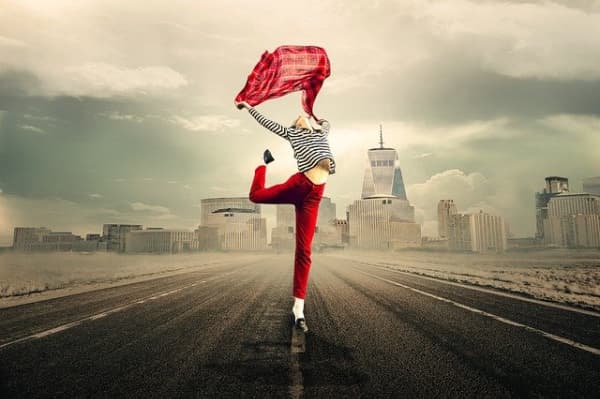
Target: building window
373, 163
290, 229
316, 229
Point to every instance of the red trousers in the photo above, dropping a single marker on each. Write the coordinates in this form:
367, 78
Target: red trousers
305, 196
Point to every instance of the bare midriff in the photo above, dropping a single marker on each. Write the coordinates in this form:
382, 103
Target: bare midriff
319, 173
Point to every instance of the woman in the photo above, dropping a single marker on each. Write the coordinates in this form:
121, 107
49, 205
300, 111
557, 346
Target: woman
303, 189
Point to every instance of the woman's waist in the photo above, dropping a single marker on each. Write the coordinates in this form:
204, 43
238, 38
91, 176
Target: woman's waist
318, 174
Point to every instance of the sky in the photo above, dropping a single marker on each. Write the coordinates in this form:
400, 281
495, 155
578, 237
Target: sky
122, 112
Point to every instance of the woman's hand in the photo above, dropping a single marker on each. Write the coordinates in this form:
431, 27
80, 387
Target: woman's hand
241, 105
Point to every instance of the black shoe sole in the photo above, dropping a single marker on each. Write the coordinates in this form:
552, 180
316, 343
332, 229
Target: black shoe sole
301, 325
267, 157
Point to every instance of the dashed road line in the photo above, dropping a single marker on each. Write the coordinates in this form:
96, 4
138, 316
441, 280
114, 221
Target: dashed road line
501, 319
104, 313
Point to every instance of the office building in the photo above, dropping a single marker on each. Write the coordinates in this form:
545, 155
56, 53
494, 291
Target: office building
160, 241
571, 220
238, 221
382, 222
382, 174
208, 238
23, 236
383, 218
114, 235
476, 232
446, 208
555, 185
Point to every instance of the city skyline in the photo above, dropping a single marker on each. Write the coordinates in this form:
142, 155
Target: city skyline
130, 117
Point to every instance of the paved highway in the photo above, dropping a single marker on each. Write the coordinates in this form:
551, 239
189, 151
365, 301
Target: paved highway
224, 331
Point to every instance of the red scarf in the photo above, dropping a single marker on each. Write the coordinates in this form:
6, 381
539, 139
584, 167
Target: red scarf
287, 69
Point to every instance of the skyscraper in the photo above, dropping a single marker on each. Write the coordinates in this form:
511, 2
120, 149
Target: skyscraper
554, 185
383, 218
445, 209
383, 175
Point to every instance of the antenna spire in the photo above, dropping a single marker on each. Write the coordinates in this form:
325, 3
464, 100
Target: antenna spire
380, 136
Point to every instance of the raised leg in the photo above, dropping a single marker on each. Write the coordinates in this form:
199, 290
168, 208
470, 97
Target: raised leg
289, 192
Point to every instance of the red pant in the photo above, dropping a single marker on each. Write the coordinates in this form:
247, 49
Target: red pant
306, 196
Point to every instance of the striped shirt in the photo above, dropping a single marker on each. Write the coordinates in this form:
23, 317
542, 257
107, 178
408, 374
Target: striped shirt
309, 146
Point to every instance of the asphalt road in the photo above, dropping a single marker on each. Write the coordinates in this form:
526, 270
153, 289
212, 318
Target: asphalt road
225, 332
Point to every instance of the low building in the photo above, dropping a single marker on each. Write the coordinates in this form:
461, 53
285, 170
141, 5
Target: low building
238, 220
24, 236
208, 238
160, 241
114, 235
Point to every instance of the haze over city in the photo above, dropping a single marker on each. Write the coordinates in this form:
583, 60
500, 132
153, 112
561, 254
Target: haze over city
115, 113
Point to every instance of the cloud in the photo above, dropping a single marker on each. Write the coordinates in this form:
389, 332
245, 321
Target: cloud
95, 195
575, 124
106, 80
32, 128
156, 212
209, 123
542, 40
468, 190
117, 116
422, 155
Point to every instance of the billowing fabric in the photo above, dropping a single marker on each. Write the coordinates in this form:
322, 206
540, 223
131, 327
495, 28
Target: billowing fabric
285, 70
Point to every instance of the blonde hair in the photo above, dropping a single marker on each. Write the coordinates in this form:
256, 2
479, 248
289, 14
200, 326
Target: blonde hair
302, 122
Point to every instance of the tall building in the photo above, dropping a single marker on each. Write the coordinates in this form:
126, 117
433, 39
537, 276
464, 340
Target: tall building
238, 221
572, 219
22, 236
382, 223
592, 185
383, 218
160, 241
446, 208
476, 232
382, 174
555, 185
114, 235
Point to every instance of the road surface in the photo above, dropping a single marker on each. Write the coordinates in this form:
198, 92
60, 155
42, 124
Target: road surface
225, 332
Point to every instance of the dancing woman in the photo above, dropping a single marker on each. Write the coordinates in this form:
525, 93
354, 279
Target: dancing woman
303, 189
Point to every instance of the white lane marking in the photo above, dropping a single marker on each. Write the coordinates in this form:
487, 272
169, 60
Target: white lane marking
554, 337
490, 291
96, 316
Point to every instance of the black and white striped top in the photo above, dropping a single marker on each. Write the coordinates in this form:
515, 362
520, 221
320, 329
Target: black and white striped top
309, 146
